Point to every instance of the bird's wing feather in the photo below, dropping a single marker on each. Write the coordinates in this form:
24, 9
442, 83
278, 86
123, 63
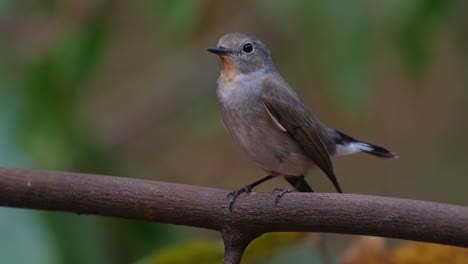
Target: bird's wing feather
286, 109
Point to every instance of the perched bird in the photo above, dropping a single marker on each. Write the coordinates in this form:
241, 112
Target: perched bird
271, 124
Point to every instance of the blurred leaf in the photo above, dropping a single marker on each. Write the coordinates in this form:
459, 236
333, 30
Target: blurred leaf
50, 127
301, 253
426, 253
47, 4
200, 251
347, 52
374, 250
269, 244
139, 238
80, 51
10, 103
6, 8
203, 251
25, 230
417, 32
175, 17
77, 239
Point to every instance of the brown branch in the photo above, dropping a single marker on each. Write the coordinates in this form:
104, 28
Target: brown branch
253, 214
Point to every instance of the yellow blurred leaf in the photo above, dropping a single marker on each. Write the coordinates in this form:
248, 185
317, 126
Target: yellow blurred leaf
415, 253
207, 252
201, 251
369, 250
268, 244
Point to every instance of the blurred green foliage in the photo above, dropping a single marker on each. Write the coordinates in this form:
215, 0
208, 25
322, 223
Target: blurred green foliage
71, 71
51, 89
208, 252
417, 31
180, 17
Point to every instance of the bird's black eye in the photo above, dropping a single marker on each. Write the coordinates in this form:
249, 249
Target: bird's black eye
248, 48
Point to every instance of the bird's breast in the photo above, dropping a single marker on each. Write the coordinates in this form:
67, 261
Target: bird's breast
250, 125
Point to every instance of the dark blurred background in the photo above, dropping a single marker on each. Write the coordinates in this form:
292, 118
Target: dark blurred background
127, 88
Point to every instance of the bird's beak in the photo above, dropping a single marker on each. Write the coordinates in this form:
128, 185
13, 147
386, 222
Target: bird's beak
218, 50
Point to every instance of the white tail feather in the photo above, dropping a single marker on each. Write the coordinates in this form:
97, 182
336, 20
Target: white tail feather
351, 148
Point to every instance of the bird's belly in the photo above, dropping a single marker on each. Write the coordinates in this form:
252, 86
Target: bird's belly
270, 148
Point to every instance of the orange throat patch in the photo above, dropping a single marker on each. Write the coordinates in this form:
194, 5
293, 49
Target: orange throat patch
228, 73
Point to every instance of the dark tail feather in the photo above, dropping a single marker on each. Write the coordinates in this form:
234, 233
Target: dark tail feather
379, 151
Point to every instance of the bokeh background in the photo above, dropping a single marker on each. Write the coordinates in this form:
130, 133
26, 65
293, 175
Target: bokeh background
127, 88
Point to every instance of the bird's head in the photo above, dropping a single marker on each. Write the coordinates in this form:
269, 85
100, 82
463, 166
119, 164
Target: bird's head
241, 54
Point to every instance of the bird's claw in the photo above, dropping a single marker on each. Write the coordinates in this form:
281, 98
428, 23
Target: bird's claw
282, 191
232, 196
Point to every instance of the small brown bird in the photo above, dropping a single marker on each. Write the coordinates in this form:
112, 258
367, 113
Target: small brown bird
269, 121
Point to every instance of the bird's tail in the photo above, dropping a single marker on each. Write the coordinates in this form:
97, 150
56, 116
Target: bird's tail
348, 145
378, 151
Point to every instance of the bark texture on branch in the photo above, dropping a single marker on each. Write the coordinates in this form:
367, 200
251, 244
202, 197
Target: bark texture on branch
253, 214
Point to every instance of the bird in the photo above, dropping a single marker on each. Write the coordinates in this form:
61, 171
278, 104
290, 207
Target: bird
269, 121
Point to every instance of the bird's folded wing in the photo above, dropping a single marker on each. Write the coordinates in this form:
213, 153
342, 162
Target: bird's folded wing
287, 110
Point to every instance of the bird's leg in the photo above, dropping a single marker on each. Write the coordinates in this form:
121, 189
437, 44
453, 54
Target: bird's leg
232, 196
300, 185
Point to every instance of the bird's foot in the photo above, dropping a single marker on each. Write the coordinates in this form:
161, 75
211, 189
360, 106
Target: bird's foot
232, 196
283, 191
